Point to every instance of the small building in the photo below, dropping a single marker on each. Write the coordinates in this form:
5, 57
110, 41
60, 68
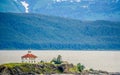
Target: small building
29, 58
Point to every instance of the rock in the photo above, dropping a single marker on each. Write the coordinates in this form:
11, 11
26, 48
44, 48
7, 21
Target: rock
46, 69
114, 73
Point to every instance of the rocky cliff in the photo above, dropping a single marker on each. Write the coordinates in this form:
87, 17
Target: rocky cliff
47, 69
31, 69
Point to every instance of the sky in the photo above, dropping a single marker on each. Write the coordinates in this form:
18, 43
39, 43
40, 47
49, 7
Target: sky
76, 9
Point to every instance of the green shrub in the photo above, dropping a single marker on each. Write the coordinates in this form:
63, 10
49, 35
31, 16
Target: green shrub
80, 67
73, 70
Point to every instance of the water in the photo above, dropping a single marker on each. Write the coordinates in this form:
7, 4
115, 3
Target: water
100, 60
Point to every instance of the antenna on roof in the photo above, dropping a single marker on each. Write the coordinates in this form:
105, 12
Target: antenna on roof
29, 51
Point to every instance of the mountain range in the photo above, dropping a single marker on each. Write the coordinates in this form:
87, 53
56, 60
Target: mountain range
36, 31
76, 9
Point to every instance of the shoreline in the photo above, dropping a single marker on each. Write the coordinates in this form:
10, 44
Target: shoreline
99, 60
55, 50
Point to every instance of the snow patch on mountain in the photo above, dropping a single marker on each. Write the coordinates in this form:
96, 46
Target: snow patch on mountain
67, 0
26, 6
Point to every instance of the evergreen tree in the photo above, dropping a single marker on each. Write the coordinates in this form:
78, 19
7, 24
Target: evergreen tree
57, 60
80, 67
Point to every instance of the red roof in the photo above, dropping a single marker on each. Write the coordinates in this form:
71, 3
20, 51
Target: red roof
29, 55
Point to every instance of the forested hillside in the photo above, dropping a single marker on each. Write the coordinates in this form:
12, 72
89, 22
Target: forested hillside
35, 31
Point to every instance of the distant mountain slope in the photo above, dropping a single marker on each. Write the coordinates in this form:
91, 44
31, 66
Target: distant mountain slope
25, 31
77, 9
11, 6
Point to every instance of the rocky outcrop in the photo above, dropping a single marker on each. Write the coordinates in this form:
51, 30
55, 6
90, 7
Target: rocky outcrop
46, 68
33, 69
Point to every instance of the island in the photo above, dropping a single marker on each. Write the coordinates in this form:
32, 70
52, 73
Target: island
56, 66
